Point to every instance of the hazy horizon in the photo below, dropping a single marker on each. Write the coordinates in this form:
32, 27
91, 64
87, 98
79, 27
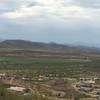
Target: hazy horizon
60, 21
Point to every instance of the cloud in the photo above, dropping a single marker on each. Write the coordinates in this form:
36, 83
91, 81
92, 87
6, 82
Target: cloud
21, 12
47, 8
50, 9
88, 3
33, 4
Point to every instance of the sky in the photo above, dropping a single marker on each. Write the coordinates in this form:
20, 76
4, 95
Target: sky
61, 21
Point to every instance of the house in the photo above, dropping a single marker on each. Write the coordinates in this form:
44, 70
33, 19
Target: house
85, 89
2, 75
17, 89
97, 81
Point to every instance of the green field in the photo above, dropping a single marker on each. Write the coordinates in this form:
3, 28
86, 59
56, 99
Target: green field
41, 61
71, 67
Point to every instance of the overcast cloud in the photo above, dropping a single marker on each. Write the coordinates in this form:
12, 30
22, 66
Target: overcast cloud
63, 21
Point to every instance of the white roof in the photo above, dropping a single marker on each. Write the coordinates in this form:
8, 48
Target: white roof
19, 89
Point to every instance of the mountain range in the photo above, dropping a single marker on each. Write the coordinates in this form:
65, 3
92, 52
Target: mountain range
39, 46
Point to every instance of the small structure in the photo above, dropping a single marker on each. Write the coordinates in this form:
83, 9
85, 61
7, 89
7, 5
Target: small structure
2, 75
26, 79
60, 94
17, 89
97, 81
